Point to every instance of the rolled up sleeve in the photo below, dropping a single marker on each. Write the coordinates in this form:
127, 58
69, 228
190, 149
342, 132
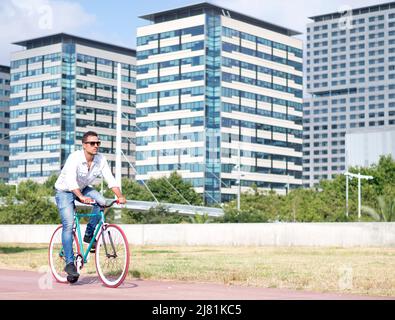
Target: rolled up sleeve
107, 175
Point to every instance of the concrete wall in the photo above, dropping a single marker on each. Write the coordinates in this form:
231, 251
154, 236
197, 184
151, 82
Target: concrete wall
277, 234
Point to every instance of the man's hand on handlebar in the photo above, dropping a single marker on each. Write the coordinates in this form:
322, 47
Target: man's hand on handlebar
86, 200
121, 200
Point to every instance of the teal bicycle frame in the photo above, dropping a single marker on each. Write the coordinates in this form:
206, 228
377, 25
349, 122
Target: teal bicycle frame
77, 218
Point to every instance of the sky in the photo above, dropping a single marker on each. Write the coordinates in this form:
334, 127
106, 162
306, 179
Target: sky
116, 21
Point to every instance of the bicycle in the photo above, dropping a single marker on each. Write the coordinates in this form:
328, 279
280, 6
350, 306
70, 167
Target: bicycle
111, 254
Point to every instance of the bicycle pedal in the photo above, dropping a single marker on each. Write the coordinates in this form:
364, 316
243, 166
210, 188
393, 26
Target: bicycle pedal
72, 279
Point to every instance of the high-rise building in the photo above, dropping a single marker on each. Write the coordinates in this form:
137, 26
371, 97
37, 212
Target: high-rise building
61, 87
350, 69
4, 121
215, 89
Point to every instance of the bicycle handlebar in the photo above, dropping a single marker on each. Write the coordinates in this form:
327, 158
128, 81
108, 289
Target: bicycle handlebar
111, 204
105, 206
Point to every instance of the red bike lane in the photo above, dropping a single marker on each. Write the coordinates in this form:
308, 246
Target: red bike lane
28, 285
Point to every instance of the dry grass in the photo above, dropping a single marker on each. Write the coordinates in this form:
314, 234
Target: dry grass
369, 271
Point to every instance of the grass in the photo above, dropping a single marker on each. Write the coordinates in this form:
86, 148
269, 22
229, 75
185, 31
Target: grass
366, 271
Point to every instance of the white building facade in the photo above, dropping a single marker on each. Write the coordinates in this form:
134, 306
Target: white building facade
61, 87
216, 89
350, 72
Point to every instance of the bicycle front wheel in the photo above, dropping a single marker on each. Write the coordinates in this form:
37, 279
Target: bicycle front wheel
112, 256
56, 255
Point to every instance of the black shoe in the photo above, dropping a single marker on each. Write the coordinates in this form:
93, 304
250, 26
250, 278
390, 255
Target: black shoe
88, 239
72, 279
71, 271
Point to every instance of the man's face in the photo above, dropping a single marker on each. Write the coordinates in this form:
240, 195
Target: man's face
91, 145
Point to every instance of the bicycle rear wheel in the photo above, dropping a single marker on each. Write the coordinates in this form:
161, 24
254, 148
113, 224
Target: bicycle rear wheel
112, 256
56, 256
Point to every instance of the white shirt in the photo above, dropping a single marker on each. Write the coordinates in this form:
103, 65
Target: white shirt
76, 175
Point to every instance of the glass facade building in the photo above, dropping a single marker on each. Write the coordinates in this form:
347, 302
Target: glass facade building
215, 89
4, 121
61, 87
350, 73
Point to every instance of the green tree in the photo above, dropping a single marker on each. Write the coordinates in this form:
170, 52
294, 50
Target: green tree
384, 211
255, 206
31, 205
6, 190
164, 191
201, 218
383, 173
301, 205
174, 190
326, 202
49, 184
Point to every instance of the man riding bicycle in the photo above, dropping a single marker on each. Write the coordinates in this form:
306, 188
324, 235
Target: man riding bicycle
81, 169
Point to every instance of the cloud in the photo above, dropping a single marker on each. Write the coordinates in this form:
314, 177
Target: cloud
24, 19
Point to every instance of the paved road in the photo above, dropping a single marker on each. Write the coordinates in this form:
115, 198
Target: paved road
24, 285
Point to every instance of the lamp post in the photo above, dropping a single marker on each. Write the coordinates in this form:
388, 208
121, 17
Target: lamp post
118, 152
347, 180
350, 175
287, 191
238, 179
118, 144
239, 175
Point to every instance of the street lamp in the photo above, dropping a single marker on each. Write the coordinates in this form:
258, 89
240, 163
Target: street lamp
239, 175
287, 187
350, 175
118, 142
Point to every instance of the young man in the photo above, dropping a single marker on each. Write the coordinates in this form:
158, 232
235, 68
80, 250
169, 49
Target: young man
80, 170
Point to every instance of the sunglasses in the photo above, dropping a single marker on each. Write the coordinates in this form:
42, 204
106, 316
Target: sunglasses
93, 143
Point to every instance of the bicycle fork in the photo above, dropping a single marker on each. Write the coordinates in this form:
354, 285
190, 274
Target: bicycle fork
114, 255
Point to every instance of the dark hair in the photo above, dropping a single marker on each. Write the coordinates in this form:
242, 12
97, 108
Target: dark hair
88, 134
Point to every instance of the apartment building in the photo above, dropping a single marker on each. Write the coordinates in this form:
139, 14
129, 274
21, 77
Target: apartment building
62, 86
350, 73
219, 100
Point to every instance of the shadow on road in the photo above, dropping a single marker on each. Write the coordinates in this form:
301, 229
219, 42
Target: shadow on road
86, 280
126, 285
95, 280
